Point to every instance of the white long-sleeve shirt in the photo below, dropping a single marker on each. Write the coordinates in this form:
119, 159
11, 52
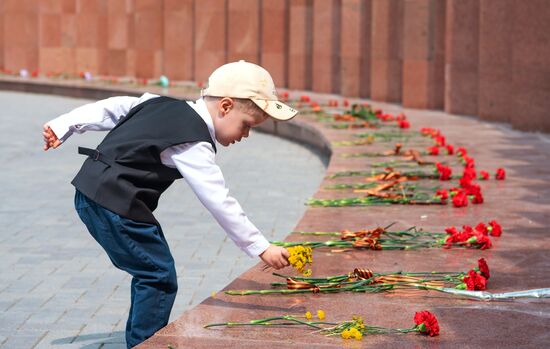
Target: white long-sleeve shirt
195, 161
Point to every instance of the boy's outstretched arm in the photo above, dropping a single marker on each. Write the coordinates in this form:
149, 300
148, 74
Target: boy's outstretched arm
196, 163
102, 115
276, 257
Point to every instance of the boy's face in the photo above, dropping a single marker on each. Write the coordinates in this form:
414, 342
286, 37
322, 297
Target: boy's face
232, 124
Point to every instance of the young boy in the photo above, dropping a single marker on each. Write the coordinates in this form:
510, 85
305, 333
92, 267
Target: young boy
152, 141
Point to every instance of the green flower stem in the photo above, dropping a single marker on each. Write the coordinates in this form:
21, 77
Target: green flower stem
385, 244
412, 231
389, 135
265, 320
405, 163
359, 286
372, 155
418, 174
307, 323
332, 233
325, 279
408, 187
367, 201
347, 125
250, 292
447, 276
270, 322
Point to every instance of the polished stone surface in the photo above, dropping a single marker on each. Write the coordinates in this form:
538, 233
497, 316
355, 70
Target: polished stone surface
519, 259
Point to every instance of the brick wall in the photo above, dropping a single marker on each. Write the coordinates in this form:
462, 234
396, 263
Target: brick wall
489, 58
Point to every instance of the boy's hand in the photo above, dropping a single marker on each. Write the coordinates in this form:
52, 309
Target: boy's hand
276, 257
50, 138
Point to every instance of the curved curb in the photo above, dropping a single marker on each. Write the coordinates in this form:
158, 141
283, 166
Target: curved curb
294, 130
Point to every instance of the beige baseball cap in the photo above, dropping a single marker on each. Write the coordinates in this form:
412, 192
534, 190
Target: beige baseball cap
248, 80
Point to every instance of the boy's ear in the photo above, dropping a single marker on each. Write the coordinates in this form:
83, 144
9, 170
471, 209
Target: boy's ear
225, 105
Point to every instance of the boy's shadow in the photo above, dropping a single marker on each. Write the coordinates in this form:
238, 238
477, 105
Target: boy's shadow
115, 340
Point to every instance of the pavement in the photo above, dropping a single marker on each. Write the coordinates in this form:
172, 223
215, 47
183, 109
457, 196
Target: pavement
58, 288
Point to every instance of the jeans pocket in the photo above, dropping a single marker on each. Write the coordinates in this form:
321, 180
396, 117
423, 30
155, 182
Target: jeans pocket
137, 236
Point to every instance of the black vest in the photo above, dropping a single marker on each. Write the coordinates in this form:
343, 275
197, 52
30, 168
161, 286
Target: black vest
125, 174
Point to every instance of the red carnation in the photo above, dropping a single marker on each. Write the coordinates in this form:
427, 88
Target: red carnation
475, 282
387, 117
461, 152
483, 175
496, 229
445, 172
451, 230
450, 149
440, 140
458, 236
501, 174
483, 241
404, 124
460, 199
433, 150
304, 98
483, 268
472, 189
478, 198
426, 322
469, 173
442, 193
465, 182
467, 229
425, 130
482, 228
469, 162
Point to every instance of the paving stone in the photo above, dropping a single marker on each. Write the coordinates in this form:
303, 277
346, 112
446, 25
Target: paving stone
57, 339
24, 339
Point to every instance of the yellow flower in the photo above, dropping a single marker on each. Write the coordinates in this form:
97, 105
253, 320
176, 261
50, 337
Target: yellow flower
308, 315
346, 334
300, 256
320, 314
213, 294
355, 333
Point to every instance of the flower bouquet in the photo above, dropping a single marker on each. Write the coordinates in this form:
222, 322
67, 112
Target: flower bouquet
365, 280
411, 238
424, 323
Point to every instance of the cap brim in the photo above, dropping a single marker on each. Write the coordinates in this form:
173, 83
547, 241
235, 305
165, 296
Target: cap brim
276, 109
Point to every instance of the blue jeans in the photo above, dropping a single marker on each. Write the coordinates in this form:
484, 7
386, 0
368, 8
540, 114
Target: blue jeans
141, 250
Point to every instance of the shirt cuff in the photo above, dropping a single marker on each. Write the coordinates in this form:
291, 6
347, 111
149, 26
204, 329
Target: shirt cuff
60, 128
257, 248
